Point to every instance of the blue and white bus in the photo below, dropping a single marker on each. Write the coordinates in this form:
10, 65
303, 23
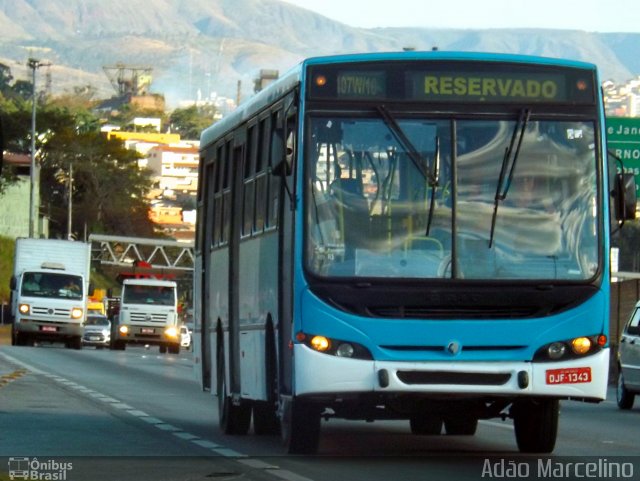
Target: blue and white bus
420, 236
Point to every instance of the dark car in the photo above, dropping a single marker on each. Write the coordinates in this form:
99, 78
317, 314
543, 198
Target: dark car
97, 331
629, 361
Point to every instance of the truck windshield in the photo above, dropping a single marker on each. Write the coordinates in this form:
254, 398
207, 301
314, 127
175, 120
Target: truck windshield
158, 295
373, 211
45, 284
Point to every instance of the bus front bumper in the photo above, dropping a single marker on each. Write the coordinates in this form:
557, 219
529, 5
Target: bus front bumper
322, 374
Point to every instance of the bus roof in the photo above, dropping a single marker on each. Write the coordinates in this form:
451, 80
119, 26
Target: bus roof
295, 75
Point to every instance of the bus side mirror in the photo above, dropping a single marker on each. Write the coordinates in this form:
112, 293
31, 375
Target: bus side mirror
281, 159
109, 292
13, 283
91, 289
624, 194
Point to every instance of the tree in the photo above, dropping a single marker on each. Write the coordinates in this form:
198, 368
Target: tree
108, 187
191, 121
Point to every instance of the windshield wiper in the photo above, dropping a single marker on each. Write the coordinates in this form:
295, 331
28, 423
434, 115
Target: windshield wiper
510, 157
434, 175
401, 137
418, 160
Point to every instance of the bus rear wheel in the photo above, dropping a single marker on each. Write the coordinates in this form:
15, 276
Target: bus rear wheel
461, 426
535, 422
425, 425
232, 418
300, 427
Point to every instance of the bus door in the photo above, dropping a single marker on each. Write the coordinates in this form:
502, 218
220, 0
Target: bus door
284, 148
237, 161
205, 241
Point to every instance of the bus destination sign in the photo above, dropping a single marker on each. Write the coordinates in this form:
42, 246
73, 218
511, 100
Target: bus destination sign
484, 83
493, 87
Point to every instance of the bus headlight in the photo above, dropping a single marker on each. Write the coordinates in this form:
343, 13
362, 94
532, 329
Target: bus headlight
334, 347
76, 313
571, 348
124, 330
581, 345
556, 350
171, 331
24, 308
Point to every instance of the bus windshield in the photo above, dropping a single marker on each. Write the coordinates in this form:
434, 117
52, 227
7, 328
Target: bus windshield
414, 197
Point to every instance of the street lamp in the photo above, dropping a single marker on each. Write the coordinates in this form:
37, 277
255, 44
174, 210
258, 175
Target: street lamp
34, 64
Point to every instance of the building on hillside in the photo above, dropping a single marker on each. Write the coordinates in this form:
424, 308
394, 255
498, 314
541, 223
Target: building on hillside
176, 168
15, 201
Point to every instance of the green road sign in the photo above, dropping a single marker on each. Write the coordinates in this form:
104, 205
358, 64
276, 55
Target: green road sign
623, 139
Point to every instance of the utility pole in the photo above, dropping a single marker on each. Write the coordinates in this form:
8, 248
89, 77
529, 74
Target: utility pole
70, 204
33, 64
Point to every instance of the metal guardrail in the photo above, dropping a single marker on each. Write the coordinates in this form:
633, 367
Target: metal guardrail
125, 251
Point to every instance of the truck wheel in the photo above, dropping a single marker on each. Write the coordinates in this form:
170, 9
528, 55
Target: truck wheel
535, 423
73, 343
173, 348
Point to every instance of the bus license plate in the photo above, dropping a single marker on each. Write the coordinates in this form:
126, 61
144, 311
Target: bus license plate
569, 375
49, 329
147, 330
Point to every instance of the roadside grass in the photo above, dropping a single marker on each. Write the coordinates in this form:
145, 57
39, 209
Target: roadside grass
5, 339
7, 247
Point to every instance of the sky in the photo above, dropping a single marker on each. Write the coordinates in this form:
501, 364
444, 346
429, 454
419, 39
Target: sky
588, 15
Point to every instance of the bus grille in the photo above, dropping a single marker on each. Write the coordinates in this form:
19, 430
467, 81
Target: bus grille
451, 312
460, 378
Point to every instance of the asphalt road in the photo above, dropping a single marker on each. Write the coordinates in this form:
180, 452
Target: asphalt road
139, 415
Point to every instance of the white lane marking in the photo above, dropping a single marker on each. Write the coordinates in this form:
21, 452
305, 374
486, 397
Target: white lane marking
497, 425
152, 420
228, 453
257, 464
160, 424
137, 413
288, 475
205, 444
167, 427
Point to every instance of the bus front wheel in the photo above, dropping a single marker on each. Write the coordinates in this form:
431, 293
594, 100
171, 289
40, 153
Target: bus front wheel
423, 424
535, 422
300, 427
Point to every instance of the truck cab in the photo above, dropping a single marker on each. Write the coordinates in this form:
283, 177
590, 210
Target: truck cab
148, 315
49, 290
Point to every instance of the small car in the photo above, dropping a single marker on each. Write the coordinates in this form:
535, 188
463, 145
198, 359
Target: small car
628, 384
185, 337
97, 331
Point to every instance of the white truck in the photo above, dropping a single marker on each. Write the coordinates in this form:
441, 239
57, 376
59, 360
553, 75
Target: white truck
148, 315
49, 290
